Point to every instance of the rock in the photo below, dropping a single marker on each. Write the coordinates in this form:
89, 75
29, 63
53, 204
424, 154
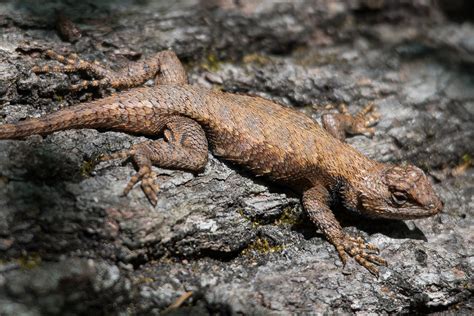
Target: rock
71, 244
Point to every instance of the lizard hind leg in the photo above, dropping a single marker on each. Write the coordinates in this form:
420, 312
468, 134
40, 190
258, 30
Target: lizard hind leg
342, 123
164, 67
183, 146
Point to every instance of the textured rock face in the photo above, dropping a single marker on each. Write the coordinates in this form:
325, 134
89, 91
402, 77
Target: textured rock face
70, 244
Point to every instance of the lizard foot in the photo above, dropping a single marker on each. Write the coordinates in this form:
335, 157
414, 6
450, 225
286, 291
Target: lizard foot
149, 187
144, 174
72, 63
363, 121
360, 251
342, 123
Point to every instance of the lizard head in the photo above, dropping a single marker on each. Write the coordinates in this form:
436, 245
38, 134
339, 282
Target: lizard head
399, 192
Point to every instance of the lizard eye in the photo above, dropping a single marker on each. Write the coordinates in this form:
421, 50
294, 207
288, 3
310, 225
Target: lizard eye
399, 198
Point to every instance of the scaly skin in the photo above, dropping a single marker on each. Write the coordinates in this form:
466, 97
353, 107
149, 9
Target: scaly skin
270, 140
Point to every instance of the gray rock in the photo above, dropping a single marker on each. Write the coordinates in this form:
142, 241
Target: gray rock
71, 244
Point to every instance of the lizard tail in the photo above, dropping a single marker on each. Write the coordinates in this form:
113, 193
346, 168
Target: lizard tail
81, 116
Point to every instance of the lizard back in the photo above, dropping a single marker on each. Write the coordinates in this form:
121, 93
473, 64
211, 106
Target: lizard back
267, 138
262, 136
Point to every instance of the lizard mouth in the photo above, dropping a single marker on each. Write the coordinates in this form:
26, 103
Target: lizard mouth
436, 207
416, 212
407, 212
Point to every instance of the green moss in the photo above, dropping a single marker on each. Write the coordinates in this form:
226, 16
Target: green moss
466, 158
465, 163
58, 98
29, 261
87, 167
289, 217
263, 246
255, 223
211, 63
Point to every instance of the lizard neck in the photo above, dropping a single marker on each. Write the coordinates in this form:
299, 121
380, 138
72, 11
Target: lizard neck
360, 177
349, 173
349, 165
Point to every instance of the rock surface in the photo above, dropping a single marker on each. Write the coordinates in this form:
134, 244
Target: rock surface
71, 244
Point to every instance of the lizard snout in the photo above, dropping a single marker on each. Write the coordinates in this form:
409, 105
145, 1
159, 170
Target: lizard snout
435, 206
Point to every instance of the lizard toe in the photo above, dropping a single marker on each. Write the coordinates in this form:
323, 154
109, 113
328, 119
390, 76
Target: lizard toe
144, 170
367, 264
358, 249
372, 119
367, 117
147, 178
360, 243
150, 188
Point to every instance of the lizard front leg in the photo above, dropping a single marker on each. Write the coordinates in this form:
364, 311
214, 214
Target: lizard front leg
315, 202
183, 146
164, 66
340, 124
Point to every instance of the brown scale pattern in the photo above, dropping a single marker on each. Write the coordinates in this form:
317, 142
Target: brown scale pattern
268, 139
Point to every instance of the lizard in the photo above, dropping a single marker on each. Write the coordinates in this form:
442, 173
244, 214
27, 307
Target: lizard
280, 143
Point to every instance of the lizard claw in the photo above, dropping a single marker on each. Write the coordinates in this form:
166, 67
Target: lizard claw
149, 187
357, 248
365, 119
